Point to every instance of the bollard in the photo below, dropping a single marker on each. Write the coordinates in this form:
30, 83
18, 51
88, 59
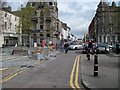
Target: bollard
95, 65
88, 56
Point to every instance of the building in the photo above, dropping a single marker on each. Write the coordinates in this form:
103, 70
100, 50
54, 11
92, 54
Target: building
45, 21
9, 28
105, 25
86, 37
91, 30
47, 25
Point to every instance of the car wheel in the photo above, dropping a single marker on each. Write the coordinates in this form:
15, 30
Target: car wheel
75, 48
107, 52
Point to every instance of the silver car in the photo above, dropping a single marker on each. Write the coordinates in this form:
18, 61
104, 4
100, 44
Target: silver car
103, 48
76, 47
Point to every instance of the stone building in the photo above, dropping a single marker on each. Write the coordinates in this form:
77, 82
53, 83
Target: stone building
105, 25
91, 30
45, 21
47, 25
9, 24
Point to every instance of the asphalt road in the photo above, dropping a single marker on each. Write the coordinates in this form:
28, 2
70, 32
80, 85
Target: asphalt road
62, 72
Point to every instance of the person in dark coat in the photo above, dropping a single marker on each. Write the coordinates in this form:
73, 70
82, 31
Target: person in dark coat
117, 48
90, 45
66, 47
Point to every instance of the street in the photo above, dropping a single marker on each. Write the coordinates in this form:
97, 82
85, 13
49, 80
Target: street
71, 44
65, 71
56, 73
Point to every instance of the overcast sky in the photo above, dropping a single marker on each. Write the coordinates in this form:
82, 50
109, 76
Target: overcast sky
76, 13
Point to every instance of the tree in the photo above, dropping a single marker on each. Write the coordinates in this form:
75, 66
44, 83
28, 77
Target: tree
25, 24
26, 15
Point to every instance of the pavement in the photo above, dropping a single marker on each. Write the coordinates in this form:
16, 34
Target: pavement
107, 72
5, 54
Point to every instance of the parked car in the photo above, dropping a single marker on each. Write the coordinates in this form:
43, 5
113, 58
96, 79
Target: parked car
103, 48
114, 48
75, 46
85, 48
110, 46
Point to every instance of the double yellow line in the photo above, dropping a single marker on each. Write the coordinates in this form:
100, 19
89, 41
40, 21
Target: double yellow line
74, 74
14, 74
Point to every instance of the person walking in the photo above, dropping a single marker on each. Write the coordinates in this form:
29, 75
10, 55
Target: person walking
117, 48
66, 47
89, 48
90, 45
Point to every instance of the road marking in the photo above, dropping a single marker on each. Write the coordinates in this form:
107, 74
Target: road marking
72, 74
75, 70
2, 69
13, 75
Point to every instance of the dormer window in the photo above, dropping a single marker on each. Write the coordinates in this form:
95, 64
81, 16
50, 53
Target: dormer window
33, 3
50, 3
5, 14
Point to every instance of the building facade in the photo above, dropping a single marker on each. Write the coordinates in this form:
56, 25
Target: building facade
91, 30
9, 27
47, 25
45, 21
105, 25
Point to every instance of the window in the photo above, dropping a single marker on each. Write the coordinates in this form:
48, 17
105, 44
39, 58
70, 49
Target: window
15, 18
5, 25
41, 27
42, 4
100, 39
10, 25
104, 39
5, 14
33, 3
108, 38
50, 3
15, 27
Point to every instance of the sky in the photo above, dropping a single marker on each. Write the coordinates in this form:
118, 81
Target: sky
76, 13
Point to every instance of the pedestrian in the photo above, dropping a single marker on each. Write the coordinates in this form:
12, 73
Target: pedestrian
117, 48
12, 52
90, 45
89, 49
66, 47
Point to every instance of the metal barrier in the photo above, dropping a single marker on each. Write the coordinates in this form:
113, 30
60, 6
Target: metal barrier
40, 53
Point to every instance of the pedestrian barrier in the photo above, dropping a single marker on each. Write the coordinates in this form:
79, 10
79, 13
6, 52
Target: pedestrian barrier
40, 53
19, 52
95, 65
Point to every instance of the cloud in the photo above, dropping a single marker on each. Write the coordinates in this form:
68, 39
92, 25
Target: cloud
77, 15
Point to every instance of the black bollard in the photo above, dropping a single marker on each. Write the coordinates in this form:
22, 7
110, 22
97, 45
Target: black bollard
88, 56
95, 65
